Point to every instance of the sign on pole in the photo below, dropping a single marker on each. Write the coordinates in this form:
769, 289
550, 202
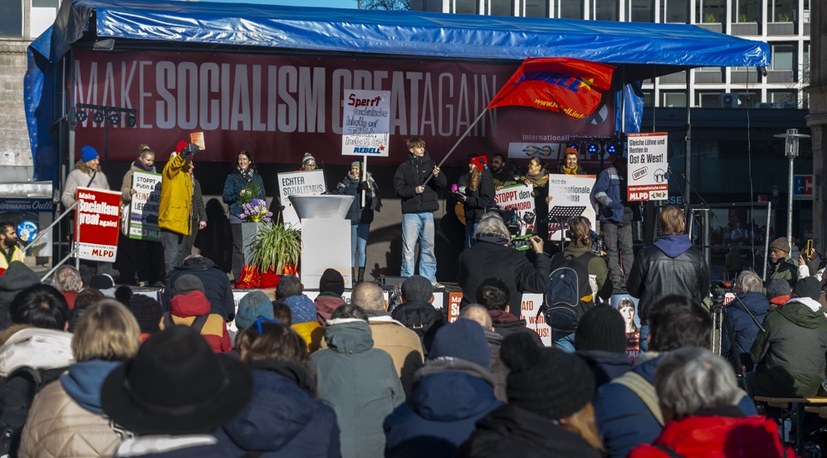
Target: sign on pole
648, 167
366, 123
518, 197
803, 187
143, 210
569, 198
97, 224
301, 183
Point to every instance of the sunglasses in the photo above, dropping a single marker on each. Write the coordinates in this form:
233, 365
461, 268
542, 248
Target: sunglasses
261, 320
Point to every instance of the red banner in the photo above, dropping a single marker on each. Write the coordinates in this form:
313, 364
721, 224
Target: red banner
97, 224
280, 106
570, 86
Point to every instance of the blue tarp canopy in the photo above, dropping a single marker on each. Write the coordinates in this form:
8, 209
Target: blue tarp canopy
642, 50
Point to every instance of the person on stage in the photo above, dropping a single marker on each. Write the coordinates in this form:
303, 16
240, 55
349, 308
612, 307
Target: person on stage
570, 165
243, 184
478, 196
537, 178
360, 216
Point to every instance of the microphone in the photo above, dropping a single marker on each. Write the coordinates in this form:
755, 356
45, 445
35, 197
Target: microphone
454, 188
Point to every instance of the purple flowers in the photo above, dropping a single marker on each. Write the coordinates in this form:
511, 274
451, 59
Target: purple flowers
255, 211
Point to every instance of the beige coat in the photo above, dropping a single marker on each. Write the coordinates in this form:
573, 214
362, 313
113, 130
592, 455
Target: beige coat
58, 426
402, 344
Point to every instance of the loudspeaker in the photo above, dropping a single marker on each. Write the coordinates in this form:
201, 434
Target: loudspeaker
388, 282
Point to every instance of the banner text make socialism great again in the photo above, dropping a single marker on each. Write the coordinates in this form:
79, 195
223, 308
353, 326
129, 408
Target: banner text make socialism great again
236, 96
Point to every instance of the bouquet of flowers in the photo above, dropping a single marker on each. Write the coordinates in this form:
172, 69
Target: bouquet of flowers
255, 211
249, 193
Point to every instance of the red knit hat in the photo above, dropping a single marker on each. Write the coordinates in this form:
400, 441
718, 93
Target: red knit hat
480, 162
571, 150
180, 146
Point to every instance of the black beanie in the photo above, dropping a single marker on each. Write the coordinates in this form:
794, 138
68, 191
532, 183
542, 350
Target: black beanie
807, 287
546, 381
601, 328
332, 281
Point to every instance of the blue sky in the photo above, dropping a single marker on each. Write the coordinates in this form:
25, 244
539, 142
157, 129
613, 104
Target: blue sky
315, 3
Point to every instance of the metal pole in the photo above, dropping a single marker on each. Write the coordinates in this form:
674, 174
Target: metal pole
791, 138
790, 201
767, 240
706, 239
688, 140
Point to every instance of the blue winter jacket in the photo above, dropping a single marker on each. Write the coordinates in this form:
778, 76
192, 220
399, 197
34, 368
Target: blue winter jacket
283, 418
606, 192
233, 186
623, 419
449, 397
743, 327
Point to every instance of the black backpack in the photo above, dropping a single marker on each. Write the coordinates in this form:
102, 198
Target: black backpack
568, 294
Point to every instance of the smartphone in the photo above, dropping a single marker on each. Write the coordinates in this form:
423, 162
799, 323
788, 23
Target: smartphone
808, 248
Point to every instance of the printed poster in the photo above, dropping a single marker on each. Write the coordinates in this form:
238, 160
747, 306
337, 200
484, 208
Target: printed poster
97, 224
518, 197
627, 306
569, 198
648, 167
143, 210
366, 123
301, 183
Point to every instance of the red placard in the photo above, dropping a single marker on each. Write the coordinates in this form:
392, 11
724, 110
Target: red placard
97, 224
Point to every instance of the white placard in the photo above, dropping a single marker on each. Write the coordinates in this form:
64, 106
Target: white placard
301, 183
366, 123
648, 167
529, 309
569, 196
143, 210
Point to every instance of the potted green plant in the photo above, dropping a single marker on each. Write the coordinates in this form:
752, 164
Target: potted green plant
276, 248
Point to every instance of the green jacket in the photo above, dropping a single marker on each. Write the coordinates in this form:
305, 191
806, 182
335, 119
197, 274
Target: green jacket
790, 353
785, 270
361, 384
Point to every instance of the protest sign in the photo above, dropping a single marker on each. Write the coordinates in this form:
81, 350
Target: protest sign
97, 224
366, 123
302, 183
569, 198
648, 167
518, 197
143, 210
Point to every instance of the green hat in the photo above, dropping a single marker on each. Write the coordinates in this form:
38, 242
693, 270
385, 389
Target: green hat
356, 164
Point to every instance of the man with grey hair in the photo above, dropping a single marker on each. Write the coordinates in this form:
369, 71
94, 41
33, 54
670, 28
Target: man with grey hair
492, 257
745, 314
696, 391
479, 314
390, 335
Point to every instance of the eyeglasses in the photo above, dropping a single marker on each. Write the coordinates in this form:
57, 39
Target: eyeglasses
260, 320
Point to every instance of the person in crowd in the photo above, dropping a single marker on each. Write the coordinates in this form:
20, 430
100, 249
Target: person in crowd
87, 173
494, 295
252, 306
416, 182
388, 334
175, 209
302, 311
601, 341
789, 353
609, 193
502, 172
34, 351
190, 307
537, 177
217, 287
478, 196
148, 313
549, 410
670, 266
174, 395
141, 258
308, 162
627, 408
282, 313
360, 214
331, 288
416, 311
123, 294
66, 279
745, 315
288, 419
781, 265
695, 389
569, 164
358, 380
578, 255
436, 420
628, 310
9, 246
103, 283
15, 279
492, 257
242, 185
198, 220
66, 417
499, 371
83, 302
778, 292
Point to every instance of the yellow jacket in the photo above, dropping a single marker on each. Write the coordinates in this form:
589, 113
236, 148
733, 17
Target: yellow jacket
176, 197
16, 255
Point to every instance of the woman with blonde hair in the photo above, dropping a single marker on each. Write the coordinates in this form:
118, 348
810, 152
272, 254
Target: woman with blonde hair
288, 419
66, 418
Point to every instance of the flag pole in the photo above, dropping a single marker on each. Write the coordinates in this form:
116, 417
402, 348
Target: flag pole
467, 131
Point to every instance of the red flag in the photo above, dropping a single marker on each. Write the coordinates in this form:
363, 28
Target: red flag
573, 87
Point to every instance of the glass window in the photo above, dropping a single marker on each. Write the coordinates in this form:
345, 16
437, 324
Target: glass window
782, 57
571, 9
642, 10
465, 7
710, 69
711, 11
746, 11
502, 8
784, 99
43, 15
648, 98
709, 99
674, 99
605, 10
11, 21
780, 10
535, 8
675, 10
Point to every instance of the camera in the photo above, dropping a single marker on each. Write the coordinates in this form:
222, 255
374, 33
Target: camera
520, 242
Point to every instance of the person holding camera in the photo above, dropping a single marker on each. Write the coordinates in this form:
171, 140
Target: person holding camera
491, 256
176, 204
360, 215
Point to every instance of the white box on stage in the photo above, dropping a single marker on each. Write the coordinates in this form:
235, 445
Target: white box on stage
325, 237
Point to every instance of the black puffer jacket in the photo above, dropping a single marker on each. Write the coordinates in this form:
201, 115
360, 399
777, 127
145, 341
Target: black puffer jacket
412, 173
671, 266
479, 201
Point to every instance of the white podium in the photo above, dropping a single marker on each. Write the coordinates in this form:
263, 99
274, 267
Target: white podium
325, 237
